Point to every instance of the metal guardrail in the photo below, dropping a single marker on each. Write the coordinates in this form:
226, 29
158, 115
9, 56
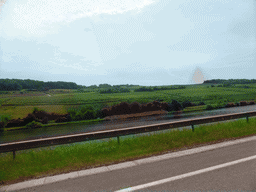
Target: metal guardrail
29, 144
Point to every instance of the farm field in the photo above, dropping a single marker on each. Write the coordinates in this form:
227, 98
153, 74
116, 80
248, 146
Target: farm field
18, 105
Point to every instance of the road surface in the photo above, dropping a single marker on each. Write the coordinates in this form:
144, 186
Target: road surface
239, 176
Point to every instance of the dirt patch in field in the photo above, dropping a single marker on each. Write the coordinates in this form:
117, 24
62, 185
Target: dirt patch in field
135, 115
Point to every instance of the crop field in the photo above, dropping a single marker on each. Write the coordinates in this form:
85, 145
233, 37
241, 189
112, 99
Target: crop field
18, 105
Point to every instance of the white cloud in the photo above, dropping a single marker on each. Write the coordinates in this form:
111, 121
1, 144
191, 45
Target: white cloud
38, 17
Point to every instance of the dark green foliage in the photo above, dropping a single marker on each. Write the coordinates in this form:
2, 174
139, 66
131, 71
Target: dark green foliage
82, 113
231, 81
115, 90
164, 106
34, 124
4, 120
134, 107
186, 104
45, 120
18, 84
209, 107
176, 105
201, 103
142, 89
30, 117
104, 86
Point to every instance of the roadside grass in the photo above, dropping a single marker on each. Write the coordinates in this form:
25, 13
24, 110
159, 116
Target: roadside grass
40, 162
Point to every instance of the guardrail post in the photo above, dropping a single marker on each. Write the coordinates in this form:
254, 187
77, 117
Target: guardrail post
192, 127
13, 152
247, 118
118, 140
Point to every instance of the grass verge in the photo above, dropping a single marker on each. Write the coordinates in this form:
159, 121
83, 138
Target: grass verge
36, 163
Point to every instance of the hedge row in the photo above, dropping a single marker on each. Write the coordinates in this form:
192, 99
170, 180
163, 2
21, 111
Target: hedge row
135, 107
38, 116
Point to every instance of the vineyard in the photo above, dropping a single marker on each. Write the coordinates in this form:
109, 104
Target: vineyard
18, 104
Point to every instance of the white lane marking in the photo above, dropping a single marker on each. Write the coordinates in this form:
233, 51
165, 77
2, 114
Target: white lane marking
187, 174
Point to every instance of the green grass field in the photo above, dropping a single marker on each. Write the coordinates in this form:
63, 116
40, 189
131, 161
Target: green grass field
46, 161
60, 100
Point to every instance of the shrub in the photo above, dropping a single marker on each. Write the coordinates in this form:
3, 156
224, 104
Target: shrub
45, 120
201, 103
230, 105
156, 105
243, 103
15, 123
143, 107
61, 119
89, 114
30, 117
170, 107
164, 106
135, 107
33, 124
35, 110
209, 107
106, 112
176, 105
251, 103
186, 104
149, 106
2, 125
4, 120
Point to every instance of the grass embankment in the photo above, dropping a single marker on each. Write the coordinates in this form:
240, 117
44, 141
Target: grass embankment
41, 162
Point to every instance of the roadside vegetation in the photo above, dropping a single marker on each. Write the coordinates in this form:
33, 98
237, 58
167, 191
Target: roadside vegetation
80, 103
36, 163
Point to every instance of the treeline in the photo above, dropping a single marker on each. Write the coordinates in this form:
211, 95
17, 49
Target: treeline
141, 89
107, 86
115, 90
17, 85
230, 81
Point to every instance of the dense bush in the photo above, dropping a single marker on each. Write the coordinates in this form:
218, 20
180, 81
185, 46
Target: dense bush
115, 90
135, 107
243, 103
230, 105
4, 120
176, 105
209, 107
142, 89
30, 117
33, 124
82, 113
45, 120
201, 103
251, 103
186, 104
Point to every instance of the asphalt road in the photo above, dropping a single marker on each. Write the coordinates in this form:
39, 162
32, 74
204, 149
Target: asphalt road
239, 176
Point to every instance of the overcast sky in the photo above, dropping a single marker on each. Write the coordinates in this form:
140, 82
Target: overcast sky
141, 42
